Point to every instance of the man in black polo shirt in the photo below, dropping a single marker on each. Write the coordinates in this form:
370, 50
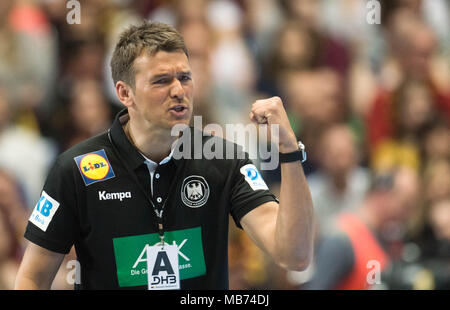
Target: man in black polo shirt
120, 195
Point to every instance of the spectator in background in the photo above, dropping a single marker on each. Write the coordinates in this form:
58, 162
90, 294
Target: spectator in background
12, 204
233, 70
314, 100
305, 10
85, 60
339, 184
198, 39
438, 259
437, 180
295, 48
436, 13
90, 113
373, 233
439, 218
332, 52
412, 115
425, 261
263, 19
413, 55
346, 21
300, 44
8, 264
23, 152
13, 216
436, 144
28, 59
248, 265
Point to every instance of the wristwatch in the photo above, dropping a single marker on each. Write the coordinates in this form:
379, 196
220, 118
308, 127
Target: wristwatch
300, 154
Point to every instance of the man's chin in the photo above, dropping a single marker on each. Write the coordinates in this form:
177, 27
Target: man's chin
179, 123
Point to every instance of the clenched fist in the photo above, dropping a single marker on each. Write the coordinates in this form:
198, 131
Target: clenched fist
271, 111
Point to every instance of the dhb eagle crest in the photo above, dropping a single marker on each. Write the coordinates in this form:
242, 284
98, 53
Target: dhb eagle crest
194, 191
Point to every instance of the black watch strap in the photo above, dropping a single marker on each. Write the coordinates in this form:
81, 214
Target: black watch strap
299, 154
290, 157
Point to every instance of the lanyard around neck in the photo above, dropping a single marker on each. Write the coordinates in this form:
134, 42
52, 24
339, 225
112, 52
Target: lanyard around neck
158, 213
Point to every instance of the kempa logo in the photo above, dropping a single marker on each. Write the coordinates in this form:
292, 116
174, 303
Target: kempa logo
113, 196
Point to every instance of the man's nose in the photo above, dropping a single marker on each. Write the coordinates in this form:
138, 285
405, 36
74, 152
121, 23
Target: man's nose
177, 90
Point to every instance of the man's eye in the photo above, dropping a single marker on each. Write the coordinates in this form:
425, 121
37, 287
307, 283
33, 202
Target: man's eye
161, 81
185, 78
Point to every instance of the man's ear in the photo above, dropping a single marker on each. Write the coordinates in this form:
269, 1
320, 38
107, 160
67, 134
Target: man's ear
125, 93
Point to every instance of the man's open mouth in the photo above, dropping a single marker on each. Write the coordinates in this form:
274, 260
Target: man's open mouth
178, 108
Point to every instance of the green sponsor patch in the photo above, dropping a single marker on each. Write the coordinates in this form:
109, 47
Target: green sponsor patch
131, 255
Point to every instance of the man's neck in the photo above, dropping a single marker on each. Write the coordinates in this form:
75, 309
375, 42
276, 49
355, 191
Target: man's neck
154, 143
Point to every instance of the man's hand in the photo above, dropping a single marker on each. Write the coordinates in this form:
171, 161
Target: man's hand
271, 112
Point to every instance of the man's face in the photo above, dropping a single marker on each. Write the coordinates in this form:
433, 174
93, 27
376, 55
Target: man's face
163, 90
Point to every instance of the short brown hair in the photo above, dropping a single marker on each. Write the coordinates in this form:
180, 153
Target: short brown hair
149, 36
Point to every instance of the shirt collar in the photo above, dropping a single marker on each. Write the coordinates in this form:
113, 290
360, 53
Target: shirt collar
128, 150
150, 162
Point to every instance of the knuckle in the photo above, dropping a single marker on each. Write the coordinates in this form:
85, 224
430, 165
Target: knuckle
276, 99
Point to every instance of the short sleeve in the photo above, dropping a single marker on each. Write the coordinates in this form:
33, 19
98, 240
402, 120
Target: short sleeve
248, 190
54, 223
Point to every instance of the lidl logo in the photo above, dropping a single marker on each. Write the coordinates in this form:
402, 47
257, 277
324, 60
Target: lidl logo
94, 167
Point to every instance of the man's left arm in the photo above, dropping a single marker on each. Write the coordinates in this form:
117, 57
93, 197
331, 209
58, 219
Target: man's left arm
284, 230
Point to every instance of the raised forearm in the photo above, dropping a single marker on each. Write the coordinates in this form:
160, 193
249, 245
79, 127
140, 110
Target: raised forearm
290, 241
294, 225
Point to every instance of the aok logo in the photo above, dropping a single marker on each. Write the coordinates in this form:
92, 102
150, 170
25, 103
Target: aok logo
143, 256
94, 167
131, 255
43, 212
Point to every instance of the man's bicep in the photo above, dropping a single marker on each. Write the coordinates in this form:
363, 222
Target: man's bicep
38, 268
260, 223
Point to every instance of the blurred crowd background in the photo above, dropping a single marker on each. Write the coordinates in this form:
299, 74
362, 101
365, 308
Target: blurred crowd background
371, 102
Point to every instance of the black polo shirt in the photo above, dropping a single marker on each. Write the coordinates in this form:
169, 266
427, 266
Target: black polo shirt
96, 197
